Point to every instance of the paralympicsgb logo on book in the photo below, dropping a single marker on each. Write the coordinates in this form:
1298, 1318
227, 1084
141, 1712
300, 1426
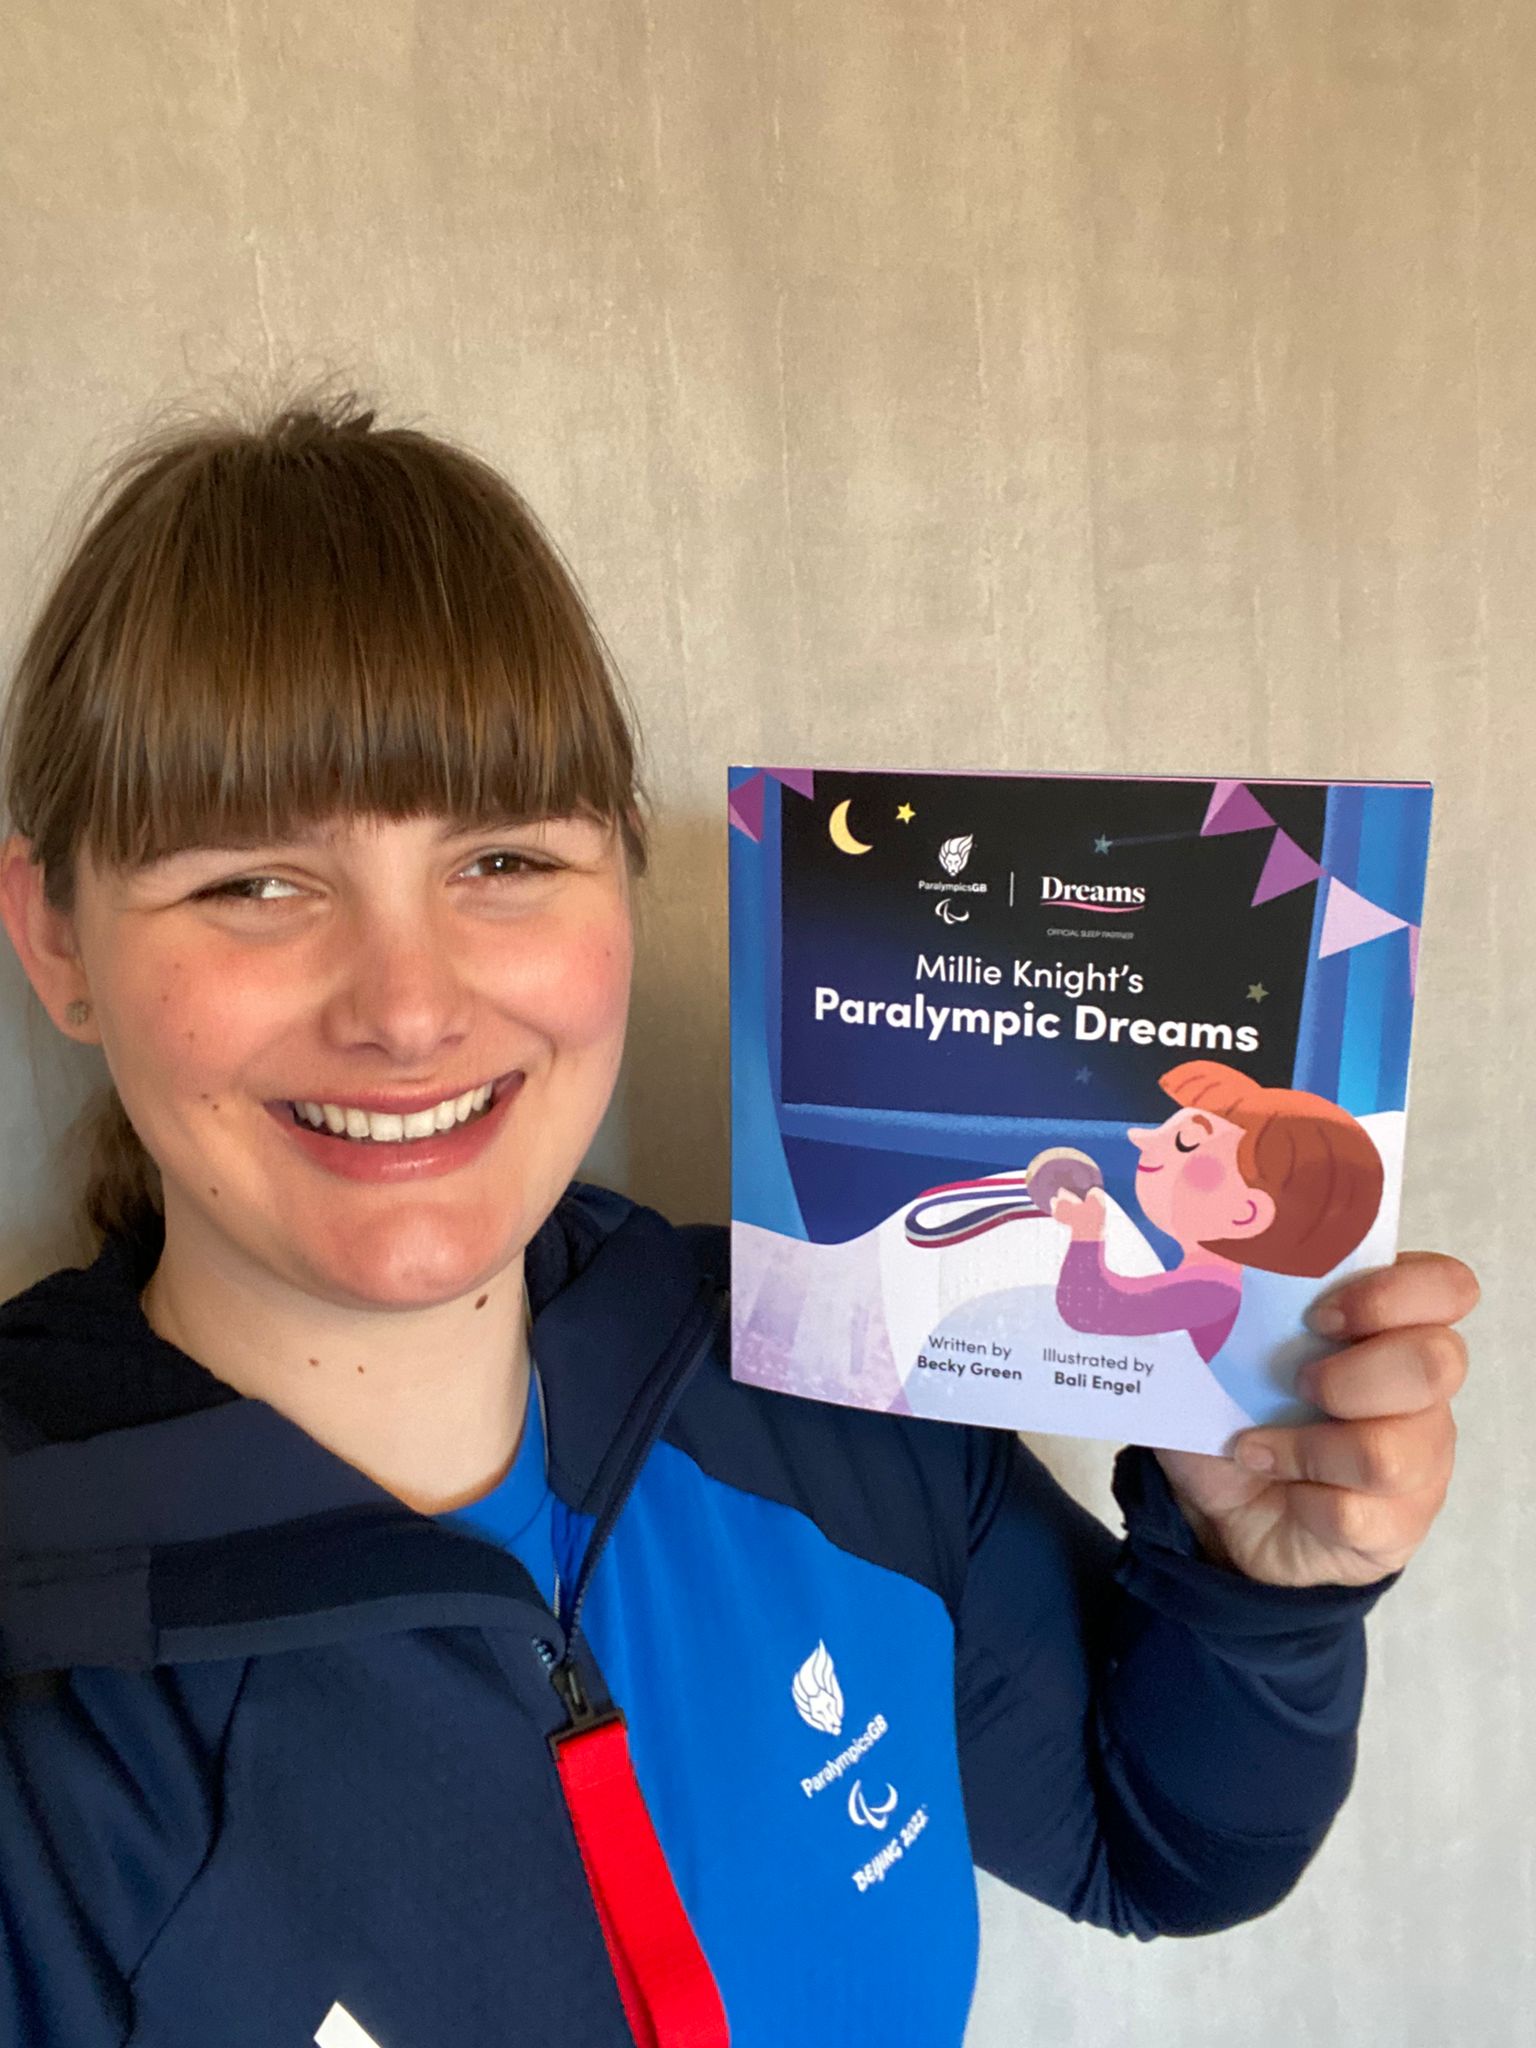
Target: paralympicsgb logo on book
817, 1695
954, 853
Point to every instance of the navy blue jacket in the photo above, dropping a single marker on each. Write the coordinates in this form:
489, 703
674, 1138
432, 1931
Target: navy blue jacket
273, 1743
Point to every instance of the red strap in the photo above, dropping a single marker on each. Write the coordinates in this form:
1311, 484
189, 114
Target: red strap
670, 1998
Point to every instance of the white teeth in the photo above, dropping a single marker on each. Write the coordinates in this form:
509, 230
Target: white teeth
393, 1130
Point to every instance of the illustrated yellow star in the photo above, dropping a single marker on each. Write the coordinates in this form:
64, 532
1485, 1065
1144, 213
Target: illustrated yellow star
906, 814
1257, 992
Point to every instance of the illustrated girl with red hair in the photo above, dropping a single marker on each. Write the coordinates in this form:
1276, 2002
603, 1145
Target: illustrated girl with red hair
1240, 1175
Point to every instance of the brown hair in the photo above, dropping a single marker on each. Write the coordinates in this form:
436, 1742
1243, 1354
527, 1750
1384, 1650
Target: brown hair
262, 624
1315, 1162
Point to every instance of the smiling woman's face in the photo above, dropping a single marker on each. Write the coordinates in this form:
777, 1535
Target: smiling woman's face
402, 962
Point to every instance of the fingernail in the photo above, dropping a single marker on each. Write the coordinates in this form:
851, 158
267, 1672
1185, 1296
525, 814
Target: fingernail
1329, 1322
1257, 1457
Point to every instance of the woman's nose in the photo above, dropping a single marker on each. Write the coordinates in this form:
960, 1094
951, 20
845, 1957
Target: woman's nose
1139, 1139
405, 992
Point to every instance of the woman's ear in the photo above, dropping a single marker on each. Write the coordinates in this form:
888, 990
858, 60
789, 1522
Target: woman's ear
44, 938
1255, 1215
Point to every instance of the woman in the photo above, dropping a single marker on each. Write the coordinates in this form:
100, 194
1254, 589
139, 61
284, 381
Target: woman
1239, 1175
388, 1550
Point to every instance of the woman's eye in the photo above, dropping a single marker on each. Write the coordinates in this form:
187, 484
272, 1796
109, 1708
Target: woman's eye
520, 860
1179, 1144
239, 889
232, 890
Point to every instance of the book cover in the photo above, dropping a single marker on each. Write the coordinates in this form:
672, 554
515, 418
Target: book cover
1058, 1100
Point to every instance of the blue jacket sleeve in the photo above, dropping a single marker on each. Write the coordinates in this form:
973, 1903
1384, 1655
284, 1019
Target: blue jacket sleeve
106, 1814
1148, 1741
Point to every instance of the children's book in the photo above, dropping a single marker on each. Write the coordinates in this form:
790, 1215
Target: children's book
1058, 1100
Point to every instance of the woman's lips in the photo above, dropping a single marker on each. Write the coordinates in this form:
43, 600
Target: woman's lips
411, 1159
1149, 1169
380, 1108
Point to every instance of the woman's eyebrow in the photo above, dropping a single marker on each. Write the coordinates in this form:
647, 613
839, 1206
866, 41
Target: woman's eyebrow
1203, 1120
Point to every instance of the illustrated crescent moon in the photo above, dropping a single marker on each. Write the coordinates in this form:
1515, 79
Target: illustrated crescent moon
837, 825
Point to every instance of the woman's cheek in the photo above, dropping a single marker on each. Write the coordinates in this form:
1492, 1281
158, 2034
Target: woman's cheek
584, 991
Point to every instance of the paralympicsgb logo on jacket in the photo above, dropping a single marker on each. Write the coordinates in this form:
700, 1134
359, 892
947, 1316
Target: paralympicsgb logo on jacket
819, 1702
817, 1695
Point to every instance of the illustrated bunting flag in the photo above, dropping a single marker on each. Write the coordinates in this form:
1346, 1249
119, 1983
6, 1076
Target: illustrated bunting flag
1349, 920
745, 805
1234, 808
1288, 867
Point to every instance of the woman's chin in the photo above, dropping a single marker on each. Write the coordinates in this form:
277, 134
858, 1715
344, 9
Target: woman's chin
402, 1262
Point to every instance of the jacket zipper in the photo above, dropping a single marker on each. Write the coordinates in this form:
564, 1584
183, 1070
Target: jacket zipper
563, 1673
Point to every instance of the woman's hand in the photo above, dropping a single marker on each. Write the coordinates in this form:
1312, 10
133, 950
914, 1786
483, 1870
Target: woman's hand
1348, 1500
1082, 1214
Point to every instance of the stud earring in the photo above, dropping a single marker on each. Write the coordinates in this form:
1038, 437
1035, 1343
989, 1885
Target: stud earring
77, 1012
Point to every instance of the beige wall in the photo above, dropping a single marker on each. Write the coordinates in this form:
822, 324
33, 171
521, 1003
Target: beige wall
1126, 384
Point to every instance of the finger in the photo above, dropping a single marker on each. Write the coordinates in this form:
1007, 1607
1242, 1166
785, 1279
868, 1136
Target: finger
1399, 1372
1423, 1287
1392, 1456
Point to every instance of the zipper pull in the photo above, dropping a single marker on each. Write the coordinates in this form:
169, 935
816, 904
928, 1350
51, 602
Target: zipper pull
581, 1716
